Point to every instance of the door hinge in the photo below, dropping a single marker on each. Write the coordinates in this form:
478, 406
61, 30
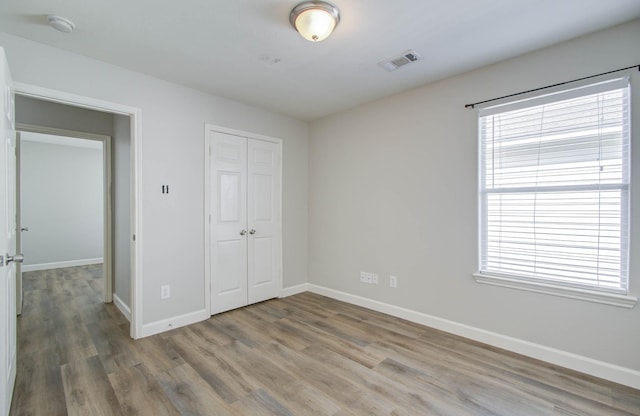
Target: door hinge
134, 237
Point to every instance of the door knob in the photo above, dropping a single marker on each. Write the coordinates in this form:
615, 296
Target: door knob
24, 229
243, 232
252, 232
18, 258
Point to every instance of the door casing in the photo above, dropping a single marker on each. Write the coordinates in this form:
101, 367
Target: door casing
18, 228
135, 117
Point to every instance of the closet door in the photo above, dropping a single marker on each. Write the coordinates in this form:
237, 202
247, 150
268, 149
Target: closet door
264, 211
228, 231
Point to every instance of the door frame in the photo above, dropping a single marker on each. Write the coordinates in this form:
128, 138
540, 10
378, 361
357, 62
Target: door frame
135, 117
107, 214
18, 226
207, 200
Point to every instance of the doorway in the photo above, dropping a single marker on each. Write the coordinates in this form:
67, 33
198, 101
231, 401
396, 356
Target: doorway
64, 214
128, 121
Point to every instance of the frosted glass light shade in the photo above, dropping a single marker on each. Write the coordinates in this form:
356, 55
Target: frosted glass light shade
314, 20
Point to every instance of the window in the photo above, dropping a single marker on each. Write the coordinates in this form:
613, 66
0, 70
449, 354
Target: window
554, 189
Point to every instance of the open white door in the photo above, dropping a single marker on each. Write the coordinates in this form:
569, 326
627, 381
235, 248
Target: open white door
7, 241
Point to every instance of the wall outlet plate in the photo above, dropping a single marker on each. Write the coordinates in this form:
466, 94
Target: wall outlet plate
369, 278
393, 281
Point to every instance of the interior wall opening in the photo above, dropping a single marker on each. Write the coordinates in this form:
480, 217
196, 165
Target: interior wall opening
113, 131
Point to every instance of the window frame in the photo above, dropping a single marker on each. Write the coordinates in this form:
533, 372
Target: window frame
551, 287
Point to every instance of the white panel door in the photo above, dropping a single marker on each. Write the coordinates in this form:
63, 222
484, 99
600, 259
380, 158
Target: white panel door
264, 200
228, 231
7, 241
245, 231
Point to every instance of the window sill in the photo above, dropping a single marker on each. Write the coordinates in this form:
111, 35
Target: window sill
623, 301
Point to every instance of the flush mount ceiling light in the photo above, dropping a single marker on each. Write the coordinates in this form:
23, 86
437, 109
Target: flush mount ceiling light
60, 23
314, 20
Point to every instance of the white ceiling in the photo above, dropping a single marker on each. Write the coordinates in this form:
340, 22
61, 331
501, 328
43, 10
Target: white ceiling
230, 47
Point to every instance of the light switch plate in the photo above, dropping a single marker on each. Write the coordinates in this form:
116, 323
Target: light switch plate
165, 292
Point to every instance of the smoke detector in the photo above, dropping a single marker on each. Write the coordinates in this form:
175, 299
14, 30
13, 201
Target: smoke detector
60, 23
396, 62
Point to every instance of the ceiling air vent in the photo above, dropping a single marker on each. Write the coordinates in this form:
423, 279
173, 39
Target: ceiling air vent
401, 60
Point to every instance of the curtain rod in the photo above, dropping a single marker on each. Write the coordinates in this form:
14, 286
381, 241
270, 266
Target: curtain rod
550, 86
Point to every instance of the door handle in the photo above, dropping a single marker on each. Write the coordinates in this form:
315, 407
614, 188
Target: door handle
252, 232
18, 258
243, 232
24, 229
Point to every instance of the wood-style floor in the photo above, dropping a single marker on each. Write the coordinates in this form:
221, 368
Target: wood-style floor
302, 355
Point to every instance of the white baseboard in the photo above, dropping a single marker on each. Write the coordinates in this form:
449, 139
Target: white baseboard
294, 290
122, 307
157, 327
61, 264
565, 359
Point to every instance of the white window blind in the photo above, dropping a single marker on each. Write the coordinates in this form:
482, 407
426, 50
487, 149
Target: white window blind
554, 188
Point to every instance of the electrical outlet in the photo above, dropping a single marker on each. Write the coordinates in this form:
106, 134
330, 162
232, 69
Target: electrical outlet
393, 281
165, 292
368, 278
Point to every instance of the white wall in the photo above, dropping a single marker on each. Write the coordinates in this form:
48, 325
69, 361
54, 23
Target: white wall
173, 120
62, 201
121, 200
393, 190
